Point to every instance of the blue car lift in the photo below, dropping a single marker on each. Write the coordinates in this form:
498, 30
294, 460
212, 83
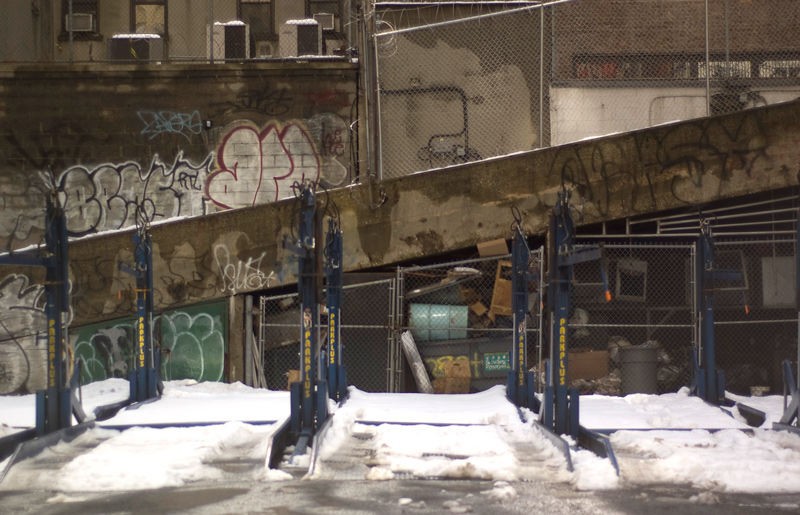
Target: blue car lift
309, 397
145, 378
708, 382
559, 413
520, 388
336, 372
790, 421
560, 407
55, 405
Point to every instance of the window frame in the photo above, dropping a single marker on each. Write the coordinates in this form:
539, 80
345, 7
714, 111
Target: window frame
338, 15
93, 9
271, 23
163, 3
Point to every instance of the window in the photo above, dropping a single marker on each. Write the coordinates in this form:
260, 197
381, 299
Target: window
84, 19
149, 17
320, 7
258, 14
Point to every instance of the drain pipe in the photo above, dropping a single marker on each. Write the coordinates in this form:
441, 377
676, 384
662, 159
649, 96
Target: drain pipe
248, 340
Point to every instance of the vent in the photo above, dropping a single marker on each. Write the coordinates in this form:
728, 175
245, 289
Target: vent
81, 22
325, 20
230, 41
301, 38
263, 49
136, 48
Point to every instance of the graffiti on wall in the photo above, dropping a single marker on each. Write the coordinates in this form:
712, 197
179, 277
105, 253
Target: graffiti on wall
251, 166
192, 345
104, 197
259, 165
23, 365
689, 163
267, 101
241, 275
170, 122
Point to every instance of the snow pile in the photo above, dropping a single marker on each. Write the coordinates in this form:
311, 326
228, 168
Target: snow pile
723, 461
643, 411
478, 436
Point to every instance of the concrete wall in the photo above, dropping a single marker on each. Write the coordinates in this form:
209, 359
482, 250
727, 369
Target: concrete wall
240, 251
110, 137
114, 138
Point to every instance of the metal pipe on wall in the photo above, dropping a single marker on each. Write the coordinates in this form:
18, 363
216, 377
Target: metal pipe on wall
248, 340
708, 70
211, 31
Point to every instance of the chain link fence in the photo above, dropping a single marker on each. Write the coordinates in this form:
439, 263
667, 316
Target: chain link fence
494, 83
460, 317
366, 333
621, 66
640, 341
368, 337
458, 91
751, 343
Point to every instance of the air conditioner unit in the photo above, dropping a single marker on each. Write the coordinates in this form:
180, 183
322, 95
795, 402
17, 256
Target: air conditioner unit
136, 47
301, 38
230, 40
81, 22
326, 21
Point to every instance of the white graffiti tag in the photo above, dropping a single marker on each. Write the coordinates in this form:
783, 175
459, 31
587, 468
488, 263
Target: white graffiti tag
238, 275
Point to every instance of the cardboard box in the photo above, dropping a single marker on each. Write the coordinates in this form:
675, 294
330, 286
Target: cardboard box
438, 385
293, 377
497, 247
457, 368
478, 308
451, 385
456, 385
591, 364
501, 296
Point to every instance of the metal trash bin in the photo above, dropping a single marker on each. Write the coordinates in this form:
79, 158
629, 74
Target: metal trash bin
639, 369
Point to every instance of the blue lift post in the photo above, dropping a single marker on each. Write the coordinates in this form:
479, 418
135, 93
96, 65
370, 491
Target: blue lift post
336, 373
309, 408
56, 404
521, 383
560, 412
145, 378
708, 383
790, 420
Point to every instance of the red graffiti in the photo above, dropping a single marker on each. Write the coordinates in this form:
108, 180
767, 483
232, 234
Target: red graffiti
332, 144
256, 167
334, 98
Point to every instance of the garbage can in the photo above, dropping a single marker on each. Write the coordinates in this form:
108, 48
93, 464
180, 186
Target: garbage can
638, 368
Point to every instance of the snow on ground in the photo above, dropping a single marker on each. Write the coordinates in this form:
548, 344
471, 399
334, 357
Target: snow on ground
454, 436
188, 401
643, 411
476, 435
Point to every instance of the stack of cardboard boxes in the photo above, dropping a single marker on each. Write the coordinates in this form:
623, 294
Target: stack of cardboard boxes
456, 378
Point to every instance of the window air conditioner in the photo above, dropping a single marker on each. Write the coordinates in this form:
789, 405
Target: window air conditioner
136, 47
230, 40
326, 21
301, 38
81, 22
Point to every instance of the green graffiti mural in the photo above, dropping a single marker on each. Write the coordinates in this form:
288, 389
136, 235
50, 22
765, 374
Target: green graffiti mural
193, 345
106, 350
